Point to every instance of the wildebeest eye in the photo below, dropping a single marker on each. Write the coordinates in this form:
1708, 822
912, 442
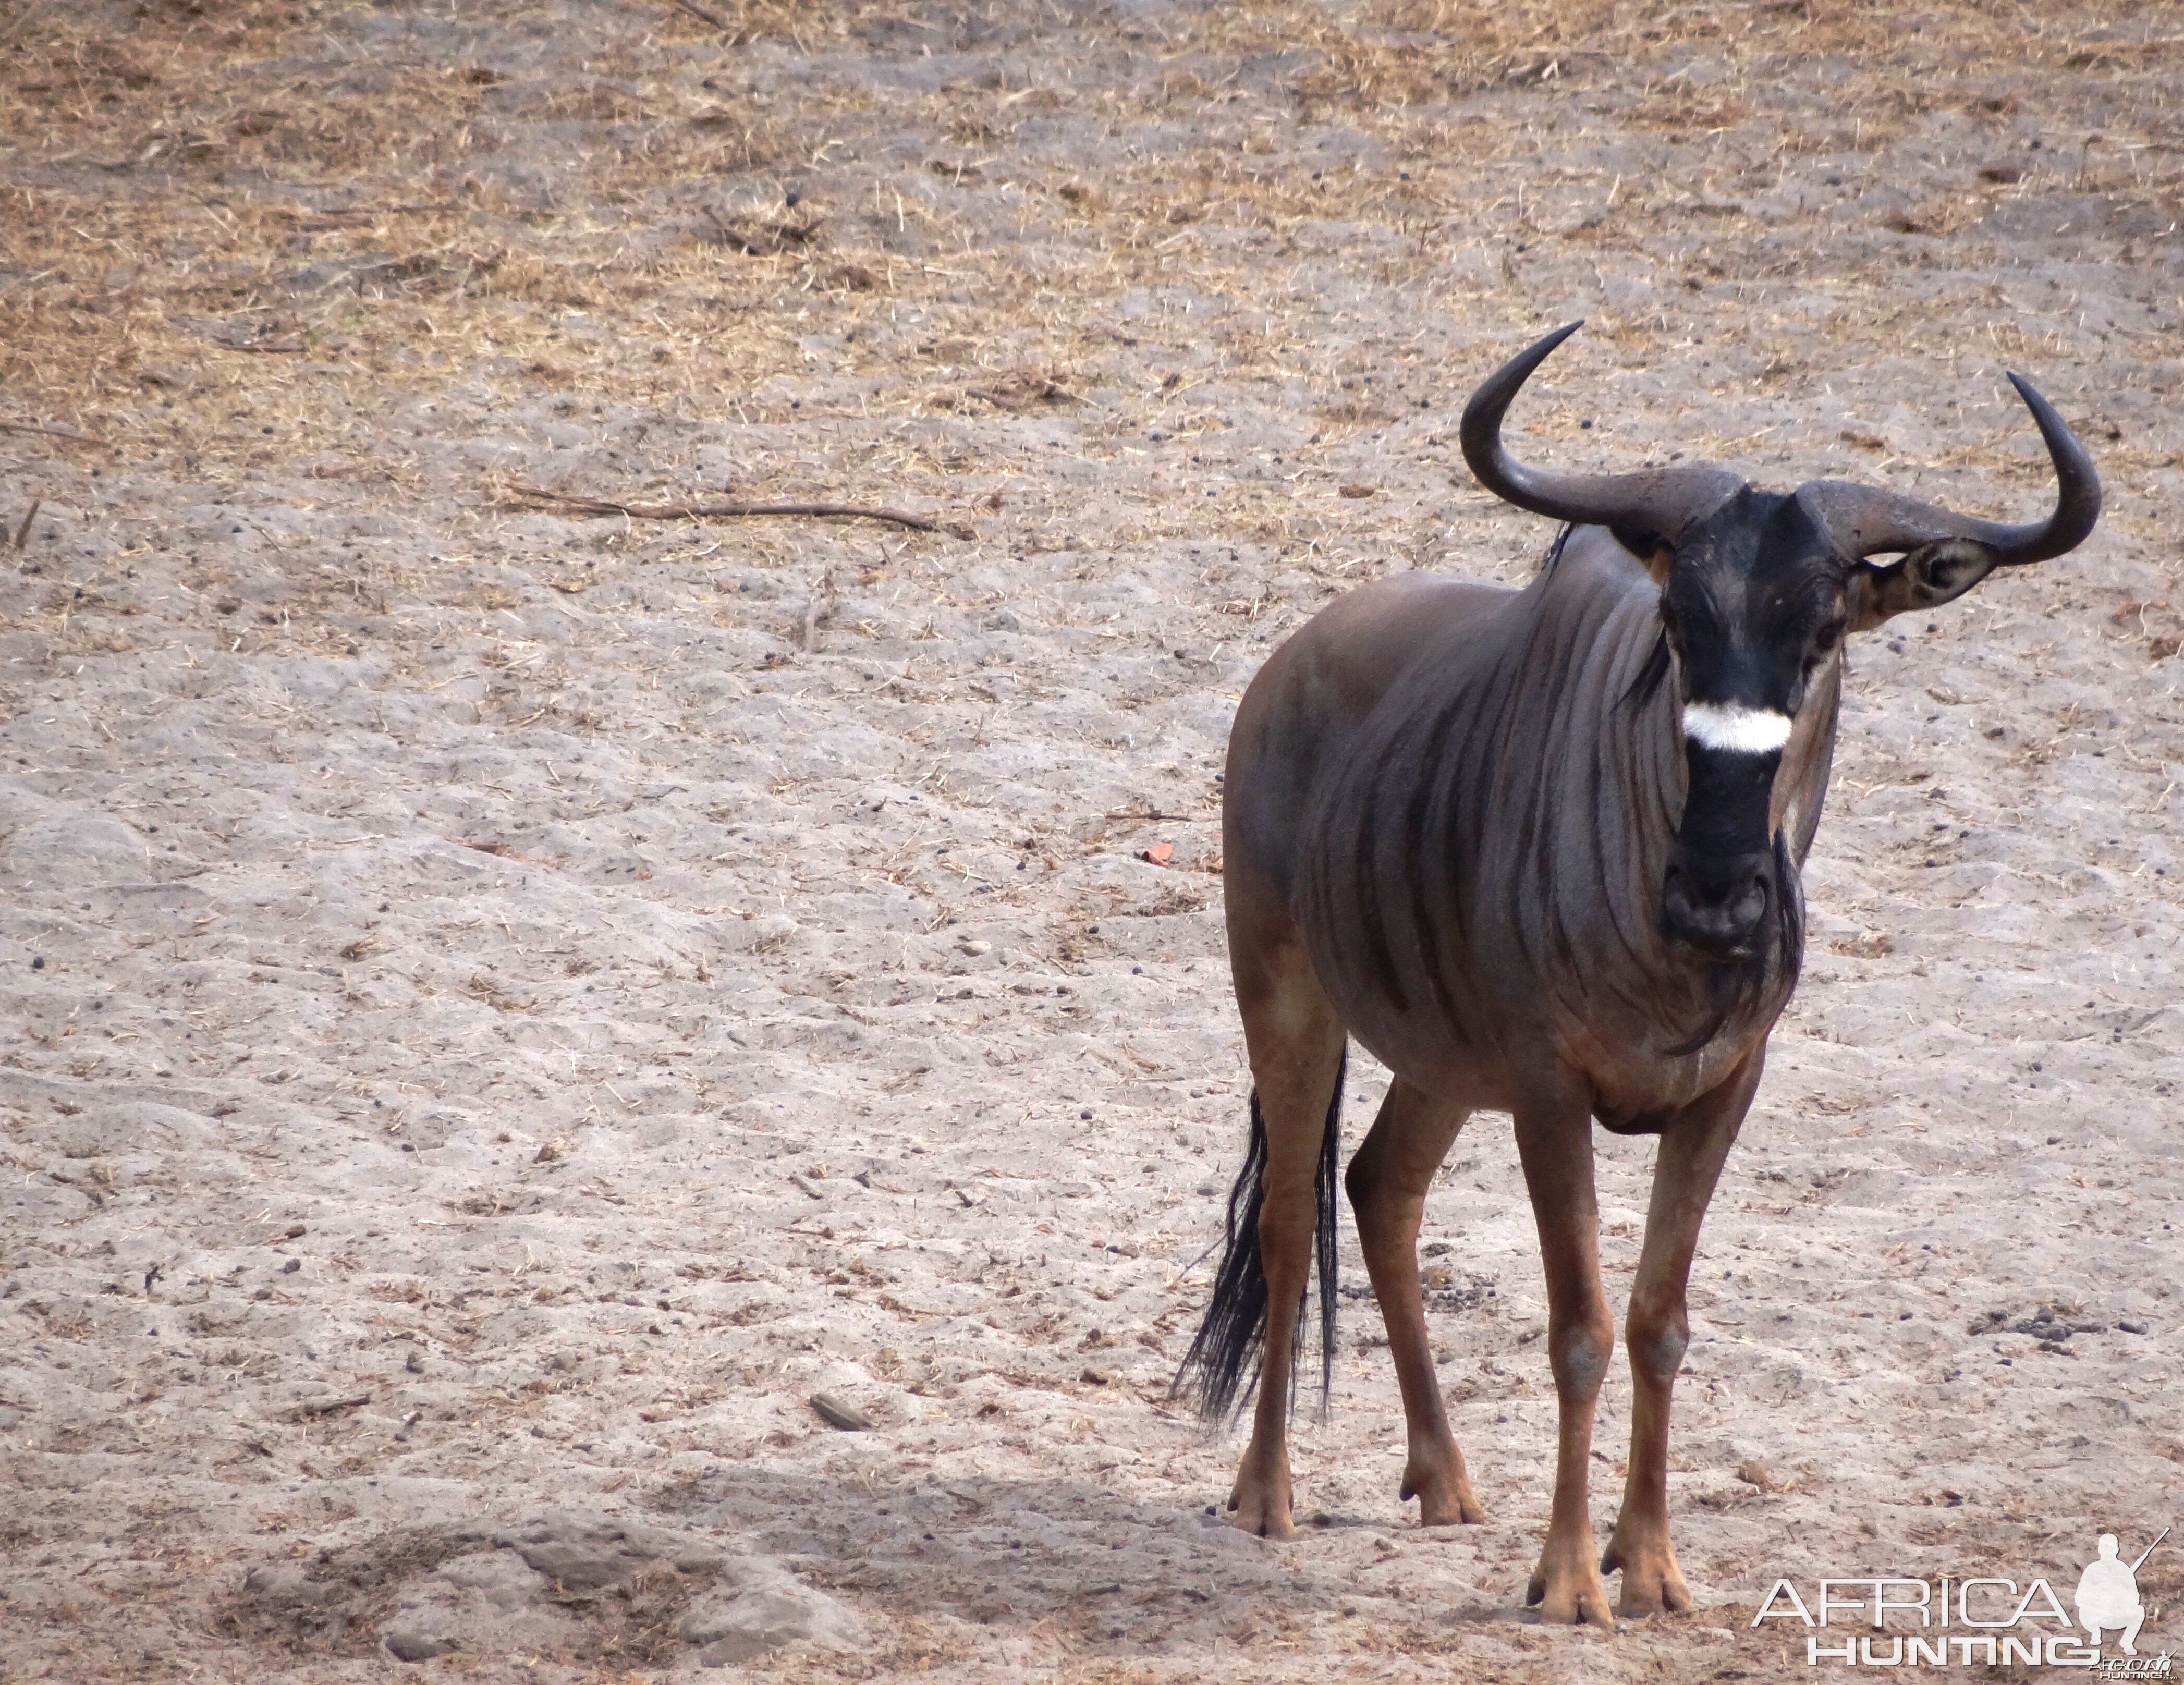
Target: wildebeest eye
1829, 635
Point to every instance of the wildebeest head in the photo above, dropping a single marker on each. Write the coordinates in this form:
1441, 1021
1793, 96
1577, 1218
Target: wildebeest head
1758, 590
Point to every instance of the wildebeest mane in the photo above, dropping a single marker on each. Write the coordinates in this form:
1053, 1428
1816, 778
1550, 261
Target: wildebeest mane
1646, 684
1553, 553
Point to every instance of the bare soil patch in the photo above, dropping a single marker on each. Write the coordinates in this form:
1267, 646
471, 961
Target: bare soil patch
504, 1002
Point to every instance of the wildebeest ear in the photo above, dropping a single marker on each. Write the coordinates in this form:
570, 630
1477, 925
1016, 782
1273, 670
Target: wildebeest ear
1651, 549
1931, 575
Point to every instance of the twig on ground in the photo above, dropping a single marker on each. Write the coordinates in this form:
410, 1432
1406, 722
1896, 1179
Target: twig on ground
726, 511
326, 1407
763, 237
714, 19
28, 12
51, 432
23, 532
1020, 391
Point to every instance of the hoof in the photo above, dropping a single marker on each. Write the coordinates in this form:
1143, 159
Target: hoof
1259, 1503
1569, 1594
1653, 1584
1445, 1503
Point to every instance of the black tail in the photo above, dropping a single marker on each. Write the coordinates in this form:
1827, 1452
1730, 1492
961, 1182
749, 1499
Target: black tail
1230, 1340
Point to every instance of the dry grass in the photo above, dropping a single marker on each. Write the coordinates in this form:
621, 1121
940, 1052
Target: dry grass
181, 184
209, 203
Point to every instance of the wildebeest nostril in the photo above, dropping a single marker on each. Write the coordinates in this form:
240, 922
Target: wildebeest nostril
1715, 904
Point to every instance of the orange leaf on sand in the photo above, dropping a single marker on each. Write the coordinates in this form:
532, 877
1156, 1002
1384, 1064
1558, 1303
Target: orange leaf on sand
1159, 854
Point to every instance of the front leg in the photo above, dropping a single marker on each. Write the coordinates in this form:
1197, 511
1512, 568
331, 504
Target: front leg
1693, 1148
1554, 1141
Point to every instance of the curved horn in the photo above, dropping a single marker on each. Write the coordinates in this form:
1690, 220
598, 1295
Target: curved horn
1865, 521
1662, 501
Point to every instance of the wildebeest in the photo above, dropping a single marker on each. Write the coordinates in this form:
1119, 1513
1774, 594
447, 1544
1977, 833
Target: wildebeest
1538, 850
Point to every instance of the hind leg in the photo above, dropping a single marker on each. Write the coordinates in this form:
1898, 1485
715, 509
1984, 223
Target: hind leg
1296, 1042
1388, 1181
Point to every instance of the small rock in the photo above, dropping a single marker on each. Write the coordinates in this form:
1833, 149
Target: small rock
411, 1643
487, 1602
587, 1551
837, 1414
732, 1628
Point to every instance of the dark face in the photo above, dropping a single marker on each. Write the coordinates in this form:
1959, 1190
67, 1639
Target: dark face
1756, 591
1754, 604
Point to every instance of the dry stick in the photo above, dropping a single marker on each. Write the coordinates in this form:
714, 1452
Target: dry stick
326, 1407
50, 433
713, 18
1028, 393
23, 532
28, 12
717, 512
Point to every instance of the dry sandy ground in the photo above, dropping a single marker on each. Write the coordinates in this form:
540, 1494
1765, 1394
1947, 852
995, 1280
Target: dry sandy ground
503, 1008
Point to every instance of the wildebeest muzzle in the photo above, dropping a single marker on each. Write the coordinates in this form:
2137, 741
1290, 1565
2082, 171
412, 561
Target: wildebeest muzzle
1721, 877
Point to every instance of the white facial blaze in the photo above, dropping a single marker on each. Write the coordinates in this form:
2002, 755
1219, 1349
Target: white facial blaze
1733, 728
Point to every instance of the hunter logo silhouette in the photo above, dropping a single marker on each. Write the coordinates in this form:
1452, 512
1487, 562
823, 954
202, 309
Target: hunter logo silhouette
2108, 1594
